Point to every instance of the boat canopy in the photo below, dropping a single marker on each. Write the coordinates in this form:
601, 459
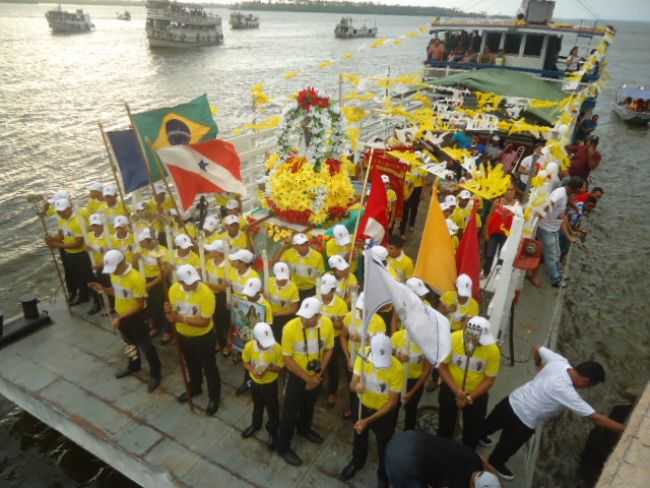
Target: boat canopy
634, 92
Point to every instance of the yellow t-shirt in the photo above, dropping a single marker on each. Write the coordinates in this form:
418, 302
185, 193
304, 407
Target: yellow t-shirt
302, 343
240, 241
189, 229
282, 299
268, 310
197, 303
71, 230
210, 238
379, 382
333, 249
111, 212
403, 347
217, 273
151, 259
129, 288
460, 216
337, 308
345, 286
260, 359
190, 258
126, 246
469, 309
97, 247
238, 281
485, 361
92, 206
401, 267
304, 269
354, 325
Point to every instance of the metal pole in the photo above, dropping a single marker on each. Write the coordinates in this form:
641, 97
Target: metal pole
363, 197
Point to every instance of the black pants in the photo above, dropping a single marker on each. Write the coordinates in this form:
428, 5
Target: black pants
411, 408
309, 292
67, 273
155, 305
297, 411
354, 399
514, 433
410, 209
384, 428
491, 247
279, 321
105, 281
266, 397
135, 332
79, 272
221, 319
200, 359
334, 367
473, 416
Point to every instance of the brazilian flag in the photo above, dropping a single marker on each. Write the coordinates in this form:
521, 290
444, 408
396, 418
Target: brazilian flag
187, 123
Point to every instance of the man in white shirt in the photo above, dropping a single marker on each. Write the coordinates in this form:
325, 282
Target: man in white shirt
545, 396
526, 168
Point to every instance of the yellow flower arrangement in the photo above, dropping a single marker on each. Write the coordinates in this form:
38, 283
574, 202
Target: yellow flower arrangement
278, 233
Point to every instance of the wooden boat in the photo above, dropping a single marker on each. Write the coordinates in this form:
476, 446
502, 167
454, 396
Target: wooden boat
633, 104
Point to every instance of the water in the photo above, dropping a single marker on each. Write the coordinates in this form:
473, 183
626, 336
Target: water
56, 88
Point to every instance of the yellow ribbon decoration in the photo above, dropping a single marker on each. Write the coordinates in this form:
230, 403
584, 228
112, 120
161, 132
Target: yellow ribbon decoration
348, 56
328, 63
290, 75
488, 183
378, 43
214, 109
259, 95
354, 114
272, 122
351, 78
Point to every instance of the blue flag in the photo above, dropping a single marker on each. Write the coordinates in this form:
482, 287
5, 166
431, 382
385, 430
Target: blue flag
129, 158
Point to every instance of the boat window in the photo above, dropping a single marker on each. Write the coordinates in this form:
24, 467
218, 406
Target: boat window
534, 43
493, 41
512, 44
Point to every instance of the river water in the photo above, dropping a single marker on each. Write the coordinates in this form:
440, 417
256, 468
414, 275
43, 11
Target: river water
54, 90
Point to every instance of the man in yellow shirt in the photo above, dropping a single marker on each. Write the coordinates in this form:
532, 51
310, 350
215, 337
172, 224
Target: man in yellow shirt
211, 229
378, 380
129, 288
97, 243
392, 200
306, 265
340, 245
95, 200
191, 308
334, 308
307, 345
123, 240
347, 282
284, 297
467, 375
459, 305
237, 238
162, 200
262, 358
414, 182
463, 210
240, 271
217, 268
184, 253
112, 207
399, 264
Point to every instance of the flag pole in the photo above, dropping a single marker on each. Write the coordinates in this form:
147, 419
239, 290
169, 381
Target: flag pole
142, 149
363, 197
364, 329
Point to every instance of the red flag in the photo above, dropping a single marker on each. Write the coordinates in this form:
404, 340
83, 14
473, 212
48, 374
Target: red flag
374, 224
206, 167
468, 258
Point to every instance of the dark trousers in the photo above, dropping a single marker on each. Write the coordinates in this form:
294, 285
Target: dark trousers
354, 399
473, 416
514, 433
80, 272
384, 428
135, 332
309, 292
411, 408
198, 353
279, 321
67, 273
491, 246
266, 397
105, 281
221, 319
155, 305
297, 411
410, 210
334, 367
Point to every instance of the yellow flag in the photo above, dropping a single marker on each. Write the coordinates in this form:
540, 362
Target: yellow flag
290, 75
436, 263
348, 56
328, 63
378, 43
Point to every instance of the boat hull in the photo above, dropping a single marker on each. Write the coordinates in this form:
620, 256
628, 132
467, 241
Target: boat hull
630, 117
176, 44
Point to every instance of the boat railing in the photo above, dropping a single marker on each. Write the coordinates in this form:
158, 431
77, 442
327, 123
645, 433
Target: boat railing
182, 17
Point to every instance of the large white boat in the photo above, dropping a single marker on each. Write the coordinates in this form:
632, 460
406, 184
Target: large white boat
346, 29
62, 22
181, 25
239, 20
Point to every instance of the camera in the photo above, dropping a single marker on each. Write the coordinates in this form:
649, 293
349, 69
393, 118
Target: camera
313, 366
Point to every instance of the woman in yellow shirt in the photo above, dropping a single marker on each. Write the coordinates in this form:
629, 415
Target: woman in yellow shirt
335, 308
217, 268
284, 297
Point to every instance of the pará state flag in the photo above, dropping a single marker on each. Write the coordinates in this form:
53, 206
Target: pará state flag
374, 224
187, 123
207, 167
126, 149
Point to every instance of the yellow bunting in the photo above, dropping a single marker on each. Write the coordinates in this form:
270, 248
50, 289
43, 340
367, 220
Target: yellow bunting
270, 123
351, 78
354, 114
409, 79
424, 29
259, 95
290, 75
272, 161
488, 102
378, 43
397, 42
348, 56
542, 104
488, 183
412, 34
521, 125
408, 157
457, 153
328, 63
361, 97
423, 99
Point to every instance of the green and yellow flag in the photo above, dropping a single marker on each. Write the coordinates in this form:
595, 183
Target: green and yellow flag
187, 123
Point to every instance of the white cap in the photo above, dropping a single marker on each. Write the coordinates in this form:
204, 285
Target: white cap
465, 195
417, 286
464, 285
480, 327
309, 307
451, 200
60, 194
360, 301
232, 204
341, 235
183, 241
281, 270
95, 186
496, 138
120, 221
243, 255
338, 262
61, 204
452, 227
552, 168
231, 219
381, 351
385, 179
109, 190
445, 206
486, 479
216, 246
96, 219
328, 282
187, 274
299, 239
144, 234
252, 287
140, 206
112, 259
211, 223
159, 187
379, 253
263, 334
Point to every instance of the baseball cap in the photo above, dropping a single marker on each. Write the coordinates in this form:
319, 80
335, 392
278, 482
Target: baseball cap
120, 221
341, 235
252, 287
464, 285
417, 286
451, 200
95, 186
243, 255
263, 334
446, 206
299, 239
381, 351
144, 234
385, 179
338, 262
379, 253
183, 241
328, 282
211, 223
486, 480
96, 219
480, 326
465, 195
215, 246
187, 274
109, 190
451, 227
231, 219
59, 194
232, 204
112, 259
61, 204
159, 187
309, 307
281, 270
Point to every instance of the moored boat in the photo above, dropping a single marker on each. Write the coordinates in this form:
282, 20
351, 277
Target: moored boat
126, 15
181, 25
239, 20
633, 104
346, 29
62, 22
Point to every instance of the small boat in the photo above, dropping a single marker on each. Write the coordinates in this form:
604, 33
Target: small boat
239, 20
62, 22
633, 104
126, 15
346, 30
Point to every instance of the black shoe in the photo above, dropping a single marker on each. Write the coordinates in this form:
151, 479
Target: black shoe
243, 388
95, 309
213, 406
291, 458
312, 436
126, 372
348, 472
183, 397
153, 384
250, 430
503, 472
